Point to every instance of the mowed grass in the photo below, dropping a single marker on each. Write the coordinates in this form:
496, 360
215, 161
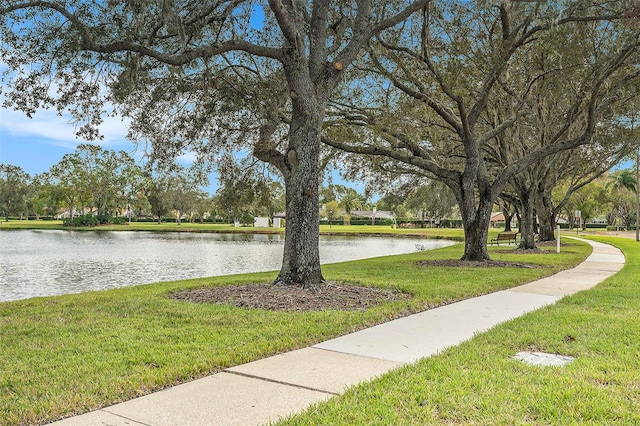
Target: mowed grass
186, 226
479, 382
71, 354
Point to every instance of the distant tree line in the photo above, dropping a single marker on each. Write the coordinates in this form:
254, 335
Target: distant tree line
94, 185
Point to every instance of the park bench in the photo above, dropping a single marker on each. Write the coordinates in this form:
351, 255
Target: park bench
505, 236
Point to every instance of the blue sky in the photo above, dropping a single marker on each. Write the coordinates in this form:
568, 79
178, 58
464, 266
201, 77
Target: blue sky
37, 144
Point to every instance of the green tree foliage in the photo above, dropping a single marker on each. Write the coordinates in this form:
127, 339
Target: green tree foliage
183, 193
623, 180
159, 198
14, 190
39, 200
621, 188
332, 210
203, 207
246, 191
592, 199
349, 200
95, 180
176, 190
432, 201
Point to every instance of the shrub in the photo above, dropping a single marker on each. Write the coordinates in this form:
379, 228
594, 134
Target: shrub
91, 220
83, 220
247, 219
104, 219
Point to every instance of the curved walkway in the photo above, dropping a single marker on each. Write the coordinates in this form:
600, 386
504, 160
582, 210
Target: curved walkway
265, 390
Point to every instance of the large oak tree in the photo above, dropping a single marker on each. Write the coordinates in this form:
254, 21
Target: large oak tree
462, 64
79, 46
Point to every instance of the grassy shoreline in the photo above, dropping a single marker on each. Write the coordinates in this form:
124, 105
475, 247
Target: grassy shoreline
65, 355
340, 230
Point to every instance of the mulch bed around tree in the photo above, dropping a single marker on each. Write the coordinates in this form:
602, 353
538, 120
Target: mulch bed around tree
344, 297
292, 298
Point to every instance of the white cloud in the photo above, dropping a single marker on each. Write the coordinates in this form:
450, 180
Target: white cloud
48, 127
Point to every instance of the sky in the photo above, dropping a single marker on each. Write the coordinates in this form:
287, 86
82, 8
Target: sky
35, 144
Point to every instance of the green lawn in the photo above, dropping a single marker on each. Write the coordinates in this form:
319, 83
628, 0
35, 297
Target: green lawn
478, 382
71, 354
135, 226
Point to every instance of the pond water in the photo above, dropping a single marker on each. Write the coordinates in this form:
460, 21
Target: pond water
44, 263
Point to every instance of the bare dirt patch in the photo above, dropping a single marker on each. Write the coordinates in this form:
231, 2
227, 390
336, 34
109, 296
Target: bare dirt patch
524, 251
537, 250
452, 263
266, 296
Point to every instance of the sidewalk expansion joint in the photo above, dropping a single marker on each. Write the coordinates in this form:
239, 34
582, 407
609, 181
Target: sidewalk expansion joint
137, 422
280, 382
335, 351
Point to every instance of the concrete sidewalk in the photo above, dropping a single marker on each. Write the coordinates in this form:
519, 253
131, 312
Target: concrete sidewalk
271, 388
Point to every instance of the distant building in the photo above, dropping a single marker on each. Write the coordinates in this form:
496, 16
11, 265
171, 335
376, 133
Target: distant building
261, 222
374, 214
64, 213
264, 222
498, 217
278, 220
377, 214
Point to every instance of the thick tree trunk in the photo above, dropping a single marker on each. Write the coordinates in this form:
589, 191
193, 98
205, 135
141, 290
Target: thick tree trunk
546, 229
527, 221
301, 258
546, 218
475, 241
508, 216
476, 229
299, 166
527, 237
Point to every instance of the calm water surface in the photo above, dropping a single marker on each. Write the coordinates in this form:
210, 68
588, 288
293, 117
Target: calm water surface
45, 263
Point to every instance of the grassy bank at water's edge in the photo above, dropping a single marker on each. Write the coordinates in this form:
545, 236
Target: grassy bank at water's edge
448, 233
71, 354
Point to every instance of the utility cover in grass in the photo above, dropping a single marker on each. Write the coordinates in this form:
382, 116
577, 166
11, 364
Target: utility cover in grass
544, 359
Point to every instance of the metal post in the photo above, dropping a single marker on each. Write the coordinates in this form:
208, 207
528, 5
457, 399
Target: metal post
558, 240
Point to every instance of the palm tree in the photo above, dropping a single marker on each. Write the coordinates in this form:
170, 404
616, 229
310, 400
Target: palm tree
623, 183
623, 179
350, 200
